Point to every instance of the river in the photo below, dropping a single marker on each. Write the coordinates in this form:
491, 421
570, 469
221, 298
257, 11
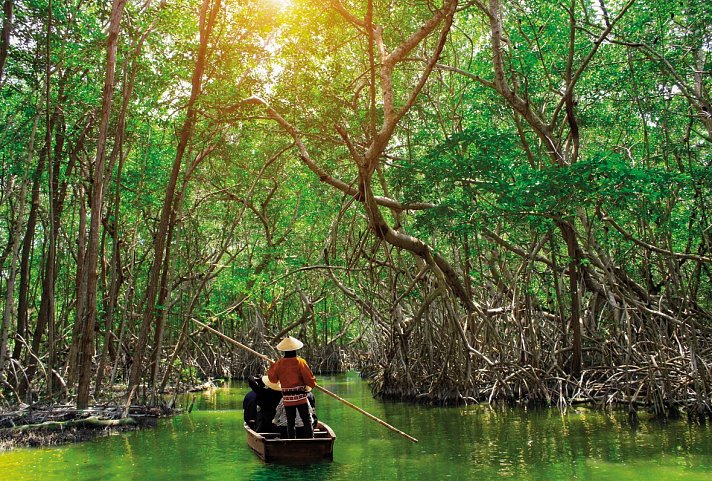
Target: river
460, 443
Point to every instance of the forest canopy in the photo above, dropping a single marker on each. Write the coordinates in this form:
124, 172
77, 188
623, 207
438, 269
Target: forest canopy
465, 200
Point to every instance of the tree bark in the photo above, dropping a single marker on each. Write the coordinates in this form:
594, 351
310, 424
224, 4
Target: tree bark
15, 256
22, 335
45, 316
5, 36
117, 153
86, 303
575, 322
208, 15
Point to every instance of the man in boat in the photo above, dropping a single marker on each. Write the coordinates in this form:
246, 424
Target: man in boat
294, 375
260, 404
267, 400
249, 403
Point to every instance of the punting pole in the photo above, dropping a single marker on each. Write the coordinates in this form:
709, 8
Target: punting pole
322, 389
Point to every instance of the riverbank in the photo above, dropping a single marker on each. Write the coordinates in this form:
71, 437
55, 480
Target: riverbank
37, 426
55, 424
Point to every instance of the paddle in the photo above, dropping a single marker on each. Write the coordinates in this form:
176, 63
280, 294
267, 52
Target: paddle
324, 390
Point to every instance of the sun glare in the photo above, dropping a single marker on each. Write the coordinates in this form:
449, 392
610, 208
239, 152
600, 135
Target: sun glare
281, 3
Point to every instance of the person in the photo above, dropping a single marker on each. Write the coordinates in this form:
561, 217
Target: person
249, 403
260, 404
280, 418
268, 397
293, 373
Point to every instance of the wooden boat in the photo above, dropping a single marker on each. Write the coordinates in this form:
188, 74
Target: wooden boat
271, 448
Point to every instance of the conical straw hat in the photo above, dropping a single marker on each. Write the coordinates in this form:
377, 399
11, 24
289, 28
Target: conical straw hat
275, 386
290, 343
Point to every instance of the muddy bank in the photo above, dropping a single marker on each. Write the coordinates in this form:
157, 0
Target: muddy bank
36, 426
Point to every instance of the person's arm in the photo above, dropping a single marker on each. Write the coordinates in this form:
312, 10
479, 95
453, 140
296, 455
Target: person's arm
307, 376
280, 416
273, 372
312, 408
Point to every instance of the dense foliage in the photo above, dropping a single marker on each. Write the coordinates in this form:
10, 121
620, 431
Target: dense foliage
466, 200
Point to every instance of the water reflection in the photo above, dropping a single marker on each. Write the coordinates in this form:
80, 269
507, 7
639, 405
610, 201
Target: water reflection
461, 443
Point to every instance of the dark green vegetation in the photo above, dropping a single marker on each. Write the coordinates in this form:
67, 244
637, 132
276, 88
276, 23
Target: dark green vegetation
455, 443
467, 200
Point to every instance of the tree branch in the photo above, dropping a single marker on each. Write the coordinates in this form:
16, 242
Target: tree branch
321, 173
605, 217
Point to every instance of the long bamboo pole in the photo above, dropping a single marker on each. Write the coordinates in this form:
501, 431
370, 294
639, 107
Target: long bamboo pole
320, 388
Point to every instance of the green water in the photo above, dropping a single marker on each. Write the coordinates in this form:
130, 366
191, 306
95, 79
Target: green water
465, 443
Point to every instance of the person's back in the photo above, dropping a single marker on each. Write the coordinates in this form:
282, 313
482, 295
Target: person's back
249, 409
295, 377
268, 396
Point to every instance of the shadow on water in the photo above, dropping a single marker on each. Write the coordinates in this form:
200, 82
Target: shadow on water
455, 443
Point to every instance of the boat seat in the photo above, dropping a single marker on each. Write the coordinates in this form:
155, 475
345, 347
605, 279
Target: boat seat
318, 433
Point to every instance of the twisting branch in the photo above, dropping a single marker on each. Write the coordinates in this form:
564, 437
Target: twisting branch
628, 236
388, 63
465, 73
369, 161
321, 173
371, 158
543, 131
596, 44
351, 18
444, 31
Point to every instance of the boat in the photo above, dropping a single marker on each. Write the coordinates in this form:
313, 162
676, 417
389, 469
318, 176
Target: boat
272, 448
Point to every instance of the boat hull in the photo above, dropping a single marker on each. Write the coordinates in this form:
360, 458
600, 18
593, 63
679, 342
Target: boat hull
273, 449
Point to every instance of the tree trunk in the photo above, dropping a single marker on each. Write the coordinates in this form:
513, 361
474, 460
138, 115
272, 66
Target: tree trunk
574, 253
86, 303
116, 280
23, 307
117, 153
208, 15
46, 310
73, 356
46, 314
5, 36
15, 260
